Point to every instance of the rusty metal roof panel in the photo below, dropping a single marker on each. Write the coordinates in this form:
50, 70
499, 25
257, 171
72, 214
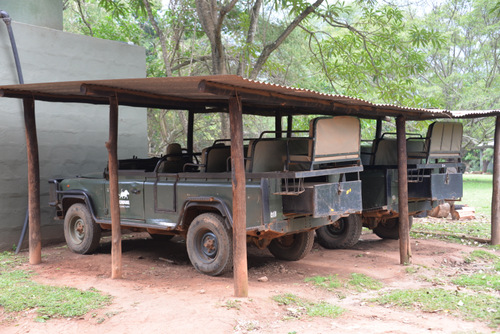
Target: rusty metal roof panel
214, 91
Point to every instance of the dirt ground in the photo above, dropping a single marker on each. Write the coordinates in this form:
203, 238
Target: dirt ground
160, 291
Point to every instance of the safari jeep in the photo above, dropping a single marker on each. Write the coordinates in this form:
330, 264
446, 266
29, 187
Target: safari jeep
293, 185
434, 174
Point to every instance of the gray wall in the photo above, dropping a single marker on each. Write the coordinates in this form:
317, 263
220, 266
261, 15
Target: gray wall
44, 13
71, 137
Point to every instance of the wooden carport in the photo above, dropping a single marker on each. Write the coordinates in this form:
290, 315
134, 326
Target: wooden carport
231, 94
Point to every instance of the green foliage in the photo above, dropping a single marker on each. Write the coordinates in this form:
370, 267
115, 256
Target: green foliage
309, 308
457, 303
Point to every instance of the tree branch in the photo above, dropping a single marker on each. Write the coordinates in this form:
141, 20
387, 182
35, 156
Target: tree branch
268, 49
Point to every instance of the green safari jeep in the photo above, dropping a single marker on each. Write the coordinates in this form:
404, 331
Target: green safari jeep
293, 186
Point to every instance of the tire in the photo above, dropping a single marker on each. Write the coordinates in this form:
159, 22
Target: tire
390, 228
82, 234
344, 233
210, 245
292, 247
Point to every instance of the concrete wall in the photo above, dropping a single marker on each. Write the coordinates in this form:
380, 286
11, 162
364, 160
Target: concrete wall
43, 13
71, 137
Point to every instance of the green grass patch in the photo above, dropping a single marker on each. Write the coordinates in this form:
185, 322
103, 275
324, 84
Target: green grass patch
466, 306
469, 228
328, 282
19, 293
477, 192
482, 255
359, 282
363, 282
300, 306
479, 281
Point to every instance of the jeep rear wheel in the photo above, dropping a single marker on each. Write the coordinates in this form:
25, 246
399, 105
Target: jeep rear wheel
390, 228
343, 233
292, 247
210, 245
82, 234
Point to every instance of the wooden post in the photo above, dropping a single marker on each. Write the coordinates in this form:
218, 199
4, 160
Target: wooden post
35, 240
404, 225
239, 199
116, 233
495, 201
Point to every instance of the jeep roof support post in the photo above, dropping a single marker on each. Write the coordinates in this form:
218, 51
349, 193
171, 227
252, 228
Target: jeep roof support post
495, 201
35, 240
404, 224
190, 132
239, 199
116, 233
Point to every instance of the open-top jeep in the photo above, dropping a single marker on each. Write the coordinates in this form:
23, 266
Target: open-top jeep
434, 175
293, 186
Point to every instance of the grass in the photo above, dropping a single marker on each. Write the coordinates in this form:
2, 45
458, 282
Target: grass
19, 293
461, 304
358, 282
477, 192
300, 306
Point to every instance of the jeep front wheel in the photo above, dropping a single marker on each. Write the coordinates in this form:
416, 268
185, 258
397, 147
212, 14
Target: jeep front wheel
82, 234
292, 247
210, 245
344, 233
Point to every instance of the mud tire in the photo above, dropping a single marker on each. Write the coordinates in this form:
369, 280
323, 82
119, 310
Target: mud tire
344, 233
292, 247
210, 245
82, 234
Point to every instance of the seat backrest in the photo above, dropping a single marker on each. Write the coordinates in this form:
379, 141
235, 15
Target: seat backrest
216, 158
386, 152
174, 162
336, 139
266, 155
445, 140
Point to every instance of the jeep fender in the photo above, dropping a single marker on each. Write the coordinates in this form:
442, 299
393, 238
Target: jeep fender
196, 205
77, 196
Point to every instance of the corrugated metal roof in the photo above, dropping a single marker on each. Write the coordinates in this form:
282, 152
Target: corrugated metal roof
209, 93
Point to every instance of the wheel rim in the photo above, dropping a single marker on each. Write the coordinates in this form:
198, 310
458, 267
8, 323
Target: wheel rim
337, 228
207, 245
77, 230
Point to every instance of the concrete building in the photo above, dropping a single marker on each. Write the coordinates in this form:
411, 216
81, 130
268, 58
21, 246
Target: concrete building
71, 138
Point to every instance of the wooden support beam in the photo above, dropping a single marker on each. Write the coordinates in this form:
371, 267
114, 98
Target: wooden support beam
116, 233
35, 239
239, 199
404, 224
495, 201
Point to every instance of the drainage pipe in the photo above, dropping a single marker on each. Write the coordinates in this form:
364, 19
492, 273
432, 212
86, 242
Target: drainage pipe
8, 22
